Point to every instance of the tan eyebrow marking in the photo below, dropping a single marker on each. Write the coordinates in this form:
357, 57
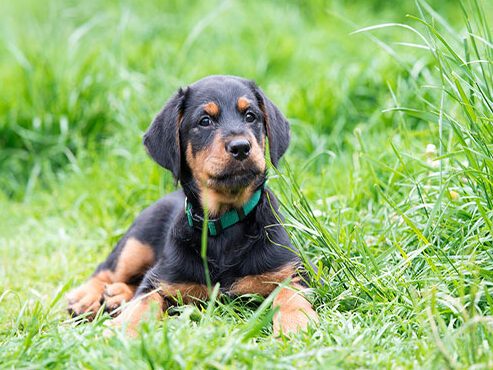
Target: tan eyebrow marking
211, 109
243, 104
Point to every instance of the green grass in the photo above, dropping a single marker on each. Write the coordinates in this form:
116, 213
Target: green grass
401, 228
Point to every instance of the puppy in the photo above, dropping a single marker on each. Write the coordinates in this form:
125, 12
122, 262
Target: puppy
212, 137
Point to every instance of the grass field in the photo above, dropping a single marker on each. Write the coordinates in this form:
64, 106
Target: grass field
387, 185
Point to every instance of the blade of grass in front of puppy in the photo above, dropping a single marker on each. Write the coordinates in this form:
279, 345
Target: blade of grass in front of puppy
204, 241
257, 322
211, 305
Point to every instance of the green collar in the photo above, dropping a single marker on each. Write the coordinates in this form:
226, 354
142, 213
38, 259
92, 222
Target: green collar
217, 225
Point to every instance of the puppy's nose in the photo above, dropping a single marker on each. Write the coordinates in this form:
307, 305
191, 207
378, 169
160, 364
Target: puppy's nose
239, 148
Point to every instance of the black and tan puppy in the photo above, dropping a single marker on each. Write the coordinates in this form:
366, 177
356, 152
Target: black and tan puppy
211, 136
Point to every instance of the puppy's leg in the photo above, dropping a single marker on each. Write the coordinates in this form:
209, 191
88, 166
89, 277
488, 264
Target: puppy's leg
114, 279
155, 288
116, 294
88, 296
295, 312
137, 310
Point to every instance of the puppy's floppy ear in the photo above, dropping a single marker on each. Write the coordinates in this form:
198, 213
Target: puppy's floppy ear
276, 125
162, 138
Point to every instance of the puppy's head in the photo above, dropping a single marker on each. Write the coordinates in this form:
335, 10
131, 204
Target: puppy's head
211, 136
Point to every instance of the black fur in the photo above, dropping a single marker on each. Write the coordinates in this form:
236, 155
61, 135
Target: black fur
161, 139
278, 131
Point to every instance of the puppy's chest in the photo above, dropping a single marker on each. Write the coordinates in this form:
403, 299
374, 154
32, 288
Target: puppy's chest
228, 258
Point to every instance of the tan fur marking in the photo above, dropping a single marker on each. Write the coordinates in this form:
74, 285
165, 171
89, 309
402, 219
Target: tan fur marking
189, 292
257, 154
295, 312
211, 109
135, 312
210, 162
243, 104
134, 259
219, 202
105, 276
263, 284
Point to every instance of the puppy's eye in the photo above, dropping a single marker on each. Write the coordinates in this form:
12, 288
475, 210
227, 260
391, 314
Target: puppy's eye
205, 121
250, 117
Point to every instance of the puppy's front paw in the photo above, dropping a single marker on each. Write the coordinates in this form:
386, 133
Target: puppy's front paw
88, 297
293, 320
84, 299
115, 324
133, 313
116, 294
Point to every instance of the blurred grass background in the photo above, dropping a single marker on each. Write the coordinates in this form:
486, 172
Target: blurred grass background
387, 182
76, 75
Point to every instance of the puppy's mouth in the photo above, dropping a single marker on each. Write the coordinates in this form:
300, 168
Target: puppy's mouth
233, 181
